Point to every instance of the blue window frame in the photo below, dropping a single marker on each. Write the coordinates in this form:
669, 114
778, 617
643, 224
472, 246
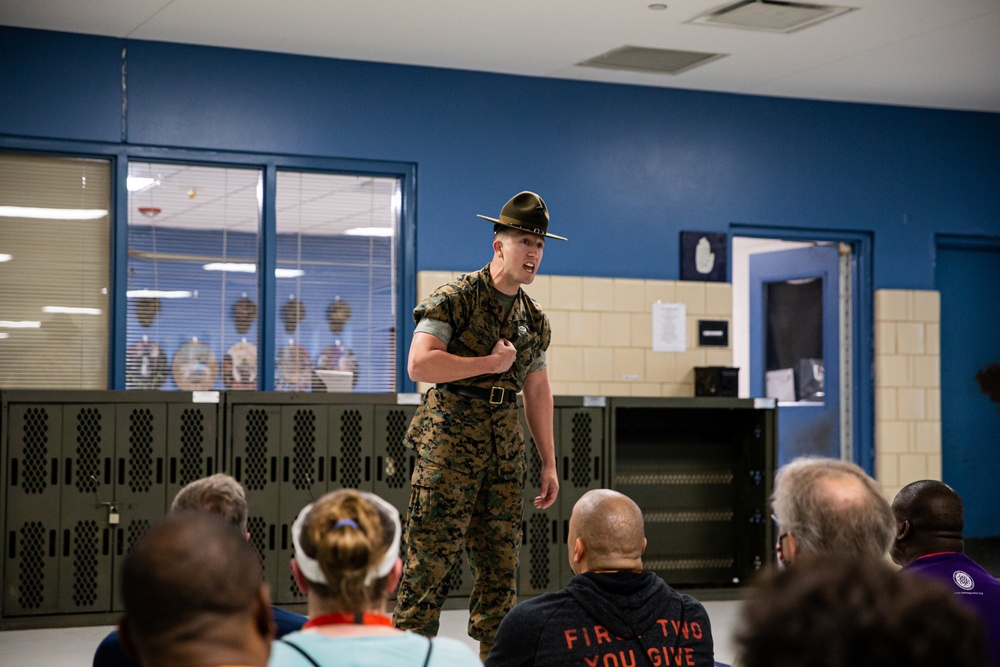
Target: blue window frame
270, 295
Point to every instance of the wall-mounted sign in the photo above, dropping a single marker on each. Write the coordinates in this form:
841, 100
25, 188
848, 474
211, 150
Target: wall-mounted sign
669, 328
703, 256
713, 333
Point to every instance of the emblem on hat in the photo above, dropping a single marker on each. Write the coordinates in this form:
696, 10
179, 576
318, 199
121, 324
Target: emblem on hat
525, 212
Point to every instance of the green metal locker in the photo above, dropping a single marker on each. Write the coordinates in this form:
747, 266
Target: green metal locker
580, 460
33, 491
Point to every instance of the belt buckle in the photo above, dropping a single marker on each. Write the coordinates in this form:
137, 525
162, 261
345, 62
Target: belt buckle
493, 393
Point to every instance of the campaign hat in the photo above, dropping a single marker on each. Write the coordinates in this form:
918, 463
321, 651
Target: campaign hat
525, 212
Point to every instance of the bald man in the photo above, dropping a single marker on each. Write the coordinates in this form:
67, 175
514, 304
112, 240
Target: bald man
611, 612
829, 507
930, 517
195, 596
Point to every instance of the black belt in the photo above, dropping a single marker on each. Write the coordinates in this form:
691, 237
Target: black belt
494, 395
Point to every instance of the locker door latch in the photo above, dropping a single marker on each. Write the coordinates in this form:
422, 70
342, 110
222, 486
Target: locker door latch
114, 517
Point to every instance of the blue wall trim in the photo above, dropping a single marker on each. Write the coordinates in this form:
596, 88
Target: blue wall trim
958, 242
267, 283
119, 273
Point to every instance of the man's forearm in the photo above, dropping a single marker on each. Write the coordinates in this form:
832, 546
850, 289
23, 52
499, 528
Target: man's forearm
538, 412
439, 366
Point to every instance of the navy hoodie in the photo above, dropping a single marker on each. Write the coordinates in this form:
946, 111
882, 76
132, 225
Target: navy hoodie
619, 619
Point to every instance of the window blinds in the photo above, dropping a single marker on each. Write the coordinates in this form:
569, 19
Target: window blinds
54, 272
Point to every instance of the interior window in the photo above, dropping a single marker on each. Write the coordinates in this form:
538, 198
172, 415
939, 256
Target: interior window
54, 272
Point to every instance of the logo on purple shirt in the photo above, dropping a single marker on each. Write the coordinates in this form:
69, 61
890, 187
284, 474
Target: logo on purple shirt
963, 580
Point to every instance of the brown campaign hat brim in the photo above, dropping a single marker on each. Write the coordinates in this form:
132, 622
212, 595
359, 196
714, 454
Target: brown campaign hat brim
521, 228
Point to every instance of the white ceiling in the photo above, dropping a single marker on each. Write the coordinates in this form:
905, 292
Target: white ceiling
924, 53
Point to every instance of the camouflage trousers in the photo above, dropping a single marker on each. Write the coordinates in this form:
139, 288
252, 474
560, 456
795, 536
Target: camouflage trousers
449, 509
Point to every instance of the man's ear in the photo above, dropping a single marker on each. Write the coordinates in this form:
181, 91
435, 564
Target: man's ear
902, 530
126, 640
579, 550
263, 617
792, 550
300, 580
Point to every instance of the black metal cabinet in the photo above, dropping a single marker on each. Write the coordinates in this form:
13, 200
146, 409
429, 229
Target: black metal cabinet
701, 470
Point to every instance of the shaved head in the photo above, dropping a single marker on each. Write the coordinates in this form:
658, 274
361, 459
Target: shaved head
930, 517
931, 505
610, 527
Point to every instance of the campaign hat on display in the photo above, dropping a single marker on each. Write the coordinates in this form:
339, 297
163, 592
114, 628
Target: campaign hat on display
525, 212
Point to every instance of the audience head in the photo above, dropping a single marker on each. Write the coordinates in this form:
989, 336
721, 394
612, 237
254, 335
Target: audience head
220, 494
605, 533
347, 551
195, 595
831, 612
829, 506
930, 517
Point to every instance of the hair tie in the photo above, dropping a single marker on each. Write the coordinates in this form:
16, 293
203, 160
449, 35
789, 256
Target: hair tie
346, 522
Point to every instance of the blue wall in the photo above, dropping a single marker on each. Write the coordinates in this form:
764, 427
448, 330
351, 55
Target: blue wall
623, 168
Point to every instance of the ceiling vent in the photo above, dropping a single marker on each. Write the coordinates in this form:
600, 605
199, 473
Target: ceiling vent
769, 15
656, 61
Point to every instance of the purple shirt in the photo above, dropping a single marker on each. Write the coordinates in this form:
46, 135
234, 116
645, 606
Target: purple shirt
973, 586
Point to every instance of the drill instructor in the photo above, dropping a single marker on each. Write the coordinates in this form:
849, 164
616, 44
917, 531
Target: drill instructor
480, 340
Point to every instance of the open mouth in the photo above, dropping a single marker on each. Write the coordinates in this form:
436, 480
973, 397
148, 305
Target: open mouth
529, 267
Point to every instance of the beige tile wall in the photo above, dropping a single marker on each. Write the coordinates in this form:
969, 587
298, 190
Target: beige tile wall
602, 332
602, 346
907, 387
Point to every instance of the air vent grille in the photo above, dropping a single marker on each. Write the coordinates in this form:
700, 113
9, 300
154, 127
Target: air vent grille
643, 59
769, 15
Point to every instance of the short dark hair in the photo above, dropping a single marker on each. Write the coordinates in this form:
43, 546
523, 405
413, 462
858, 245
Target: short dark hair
187, 569
843, 612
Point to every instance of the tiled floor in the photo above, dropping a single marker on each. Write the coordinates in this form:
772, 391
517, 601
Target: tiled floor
74, 647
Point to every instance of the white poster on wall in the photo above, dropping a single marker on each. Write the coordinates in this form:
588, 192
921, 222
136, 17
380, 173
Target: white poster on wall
669, 327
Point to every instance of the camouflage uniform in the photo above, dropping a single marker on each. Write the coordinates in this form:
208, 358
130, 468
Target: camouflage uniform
470, 473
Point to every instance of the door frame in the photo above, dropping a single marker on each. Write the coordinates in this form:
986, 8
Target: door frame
955, 242
863, 329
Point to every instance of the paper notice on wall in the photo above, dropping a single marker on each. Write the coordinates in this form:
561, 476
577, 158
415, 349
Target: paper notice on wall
669, 327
